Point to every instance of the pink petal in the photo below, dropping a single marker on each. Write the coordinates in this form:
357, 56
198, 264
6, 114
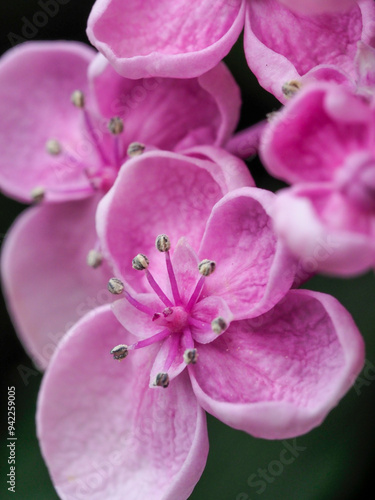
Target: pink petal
253, 269
204, 312
324, 230
281, 46
157, 193
169, 113
47, 282
279, 375
163, 38
169, 359
104, 433
312, 136
36, 83
317, 6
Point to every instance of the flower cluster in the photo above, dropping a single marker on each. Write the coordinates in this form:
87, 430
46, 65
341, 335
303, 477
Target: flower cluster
167, 280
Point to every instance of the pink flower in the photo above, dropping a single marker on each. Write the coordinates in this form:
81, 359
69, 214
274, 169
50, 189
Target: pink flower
214, 327
323, 141
180, 39
299, 48
59, 151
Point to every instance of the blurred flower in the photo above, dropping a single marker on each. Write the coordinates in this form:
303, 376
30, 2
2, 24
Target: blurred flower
70, 123
214, 327
323, 142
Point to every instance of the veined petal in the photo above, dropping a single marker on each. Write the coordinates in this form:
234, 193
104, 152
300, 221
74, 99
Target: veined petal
312, 7
253, 269
104, 433
163, 38
47, 282
328, 233
156, 193
36, 83
277, 376
311, 137
169, 113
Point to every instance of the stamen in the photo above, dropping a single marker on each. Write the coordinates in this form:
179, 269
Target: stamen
94, 259
135, 149
206, 267
172, 279
162, 380
37, 194
159, 292
116, 125
218, 325
195, 295
289, 89
78, 99
138, 305
120, 351
140, 262
190, 356
115, 286
53, 147
163, 243
151, 340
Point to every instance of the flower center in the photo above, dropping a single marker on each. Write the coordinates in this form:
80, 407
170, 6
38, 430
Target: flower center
175, 320
109, 152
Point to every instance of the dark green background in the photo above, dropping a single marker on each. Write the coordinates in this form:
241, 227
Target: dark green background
338, 459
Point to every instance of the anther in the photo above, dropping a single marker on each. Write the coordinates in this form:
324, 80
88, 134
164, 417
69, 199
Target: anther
94, 258
115, 286
162, 380
190, 356
116, 125
218, 325
53, 147
135, 149
78, 99
163, 243
37, 194
120, 351
167, 312
206, 267
140, 262
289, 89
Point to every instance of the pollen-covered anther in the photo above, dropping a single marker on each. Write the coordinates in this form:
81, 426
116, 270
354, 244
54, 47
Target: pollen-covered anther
116, 125
190, 356
218, 325
163, 243
115, 286
135, 149
94, 258
120, 351
206, 267
53, 147
162, 380
78, 99
37, 194
140, 262
289, 89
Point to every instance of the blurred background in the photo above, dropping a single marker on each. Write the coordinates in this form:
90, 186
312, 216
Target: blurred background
335, 461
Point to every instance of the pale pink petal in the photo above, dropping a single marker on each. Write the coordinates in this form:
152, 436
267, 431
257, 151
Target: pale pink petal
169, 359
281, 45
203, 313
166, 112
104, 433
277, 376
253, 269
157, 193
328, 233
47, 282
313, 135
163, 38
36, 83
312, 7
136, 321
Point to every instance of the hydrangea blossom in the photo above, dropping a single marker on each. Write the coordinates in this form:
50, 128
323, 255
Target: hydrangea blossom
323, 142
179, 39
205, 320
54, 150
